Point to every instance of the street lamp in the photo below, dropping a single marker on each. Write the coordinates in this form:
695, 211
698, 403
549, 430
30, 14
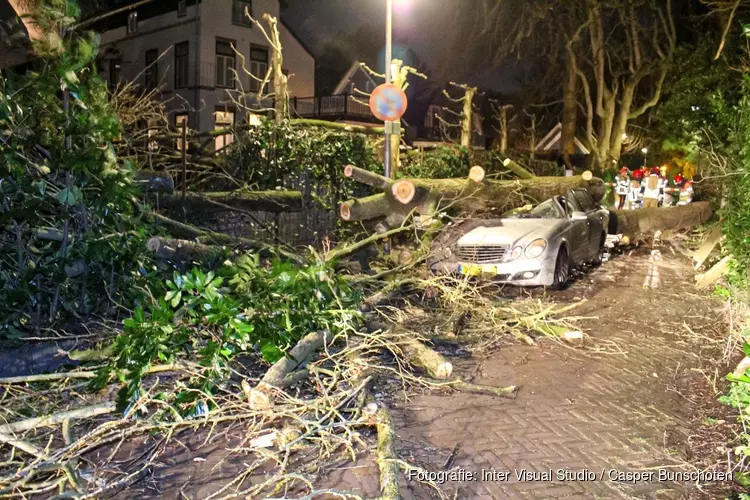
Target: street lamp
645, 156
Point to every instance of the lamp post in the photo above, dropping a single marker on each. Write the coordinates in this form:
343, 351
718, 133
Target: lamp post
388, 78
645, 156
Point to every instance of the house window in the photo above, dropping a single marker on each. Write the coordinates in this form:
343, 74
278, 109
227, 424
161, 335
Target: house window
258, 66
181, 52
132, 22
115, 68
368, 87
178, 122
151, 73
224, 64
223, 119
238, 12
182, 8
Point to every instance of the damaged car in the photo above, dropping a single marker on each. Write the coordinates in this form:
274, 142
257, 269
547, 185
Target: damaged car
540, 247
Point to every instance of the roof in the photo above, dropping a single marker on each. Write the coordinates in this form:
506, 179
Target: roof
554, 136
115, 18
294, 35
356, 66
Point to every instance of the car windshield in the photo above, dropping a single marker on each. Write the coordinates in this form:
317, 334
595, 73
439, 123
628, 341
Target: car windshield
545, 210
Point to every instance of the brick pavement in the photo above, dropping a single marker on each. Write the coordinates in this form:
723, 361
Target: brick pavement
578, 409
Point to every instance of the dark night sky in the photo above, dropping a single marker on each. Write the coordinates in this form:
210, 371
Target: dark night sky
422, 25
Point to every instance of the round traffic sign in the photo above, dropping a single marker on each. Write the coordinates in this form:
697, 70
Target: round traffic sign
388, 102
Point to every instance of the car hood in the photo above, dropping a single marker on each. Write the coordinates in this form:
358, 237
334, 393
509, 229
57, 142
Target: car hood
509, 231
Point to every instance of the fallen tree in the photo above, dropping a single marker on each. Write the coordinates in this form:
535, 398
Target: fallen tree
632, 223
154, 182
256, 201
471, 195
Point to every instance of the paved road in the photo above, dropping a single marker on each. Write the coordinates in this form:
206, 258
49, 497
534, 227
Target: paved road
578, 410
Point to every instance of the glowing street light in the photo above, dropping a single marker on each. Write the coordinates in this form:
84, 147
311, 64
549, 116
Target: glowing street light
645, 156
624, 136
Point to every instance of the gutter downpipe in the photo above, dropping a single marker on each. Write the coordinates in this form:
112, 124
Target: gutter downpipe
196, 100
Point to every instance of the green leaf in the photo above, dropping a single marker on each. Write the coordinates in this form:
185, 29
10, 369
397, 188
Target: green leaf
176, 299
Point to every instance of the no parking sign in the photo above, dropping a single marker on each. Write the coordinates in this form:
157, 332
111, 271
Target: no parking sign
388, 102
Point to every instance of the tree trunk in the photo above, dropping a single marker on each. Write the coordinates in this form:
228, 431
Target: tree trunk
183, 250
648, 220
281, 95
570, 110
467, 118
258, 201
154, 182
425, 196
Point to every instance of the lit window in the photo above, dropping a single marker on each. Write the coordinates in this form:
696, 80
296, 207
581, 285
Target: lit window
258, 67
223, 119
238, 12
132, 22
224, 64
182, 8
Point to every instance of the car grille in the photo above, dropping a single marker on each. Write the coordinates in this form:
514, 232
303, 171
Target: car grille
481, 254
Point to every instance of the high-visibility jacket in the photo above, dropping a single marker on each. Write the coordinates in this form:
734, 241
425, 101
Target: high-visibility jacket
623, 186
634, 194
651, 193
686, 195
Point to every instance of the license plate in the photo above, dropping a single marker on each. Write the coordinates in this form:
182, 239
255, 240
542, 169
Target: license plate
477, 269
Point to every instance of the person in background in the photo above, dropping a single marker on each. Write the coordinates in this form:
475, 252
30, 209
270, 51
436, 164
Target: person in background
622, 186
638, 174
663, 183
686, 193
634, 195
678, 180
650, 189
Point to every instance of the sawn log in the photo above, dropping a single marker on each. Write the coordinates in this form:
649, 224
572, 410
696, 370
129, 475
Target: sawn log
632, 223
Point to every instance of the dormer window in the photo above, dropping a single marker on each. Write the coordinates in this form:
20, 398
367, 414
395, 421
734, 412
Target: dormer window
132, 22
182, 8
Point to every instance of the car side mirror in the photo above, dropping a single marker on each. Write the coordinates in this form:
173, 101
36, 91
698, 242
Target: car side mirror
575, 216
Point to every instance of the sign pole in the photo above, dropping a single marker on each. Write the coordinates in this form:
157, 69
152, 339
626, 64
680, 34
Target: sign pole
388, 76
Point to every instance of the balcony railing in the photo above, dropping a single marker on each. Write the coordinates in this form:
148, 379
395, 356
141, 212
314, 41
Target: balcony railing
338, 107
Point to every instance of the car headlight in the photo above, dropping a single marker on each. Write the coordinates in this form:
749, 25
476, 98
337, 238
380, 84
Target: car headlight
516, 253
535, 248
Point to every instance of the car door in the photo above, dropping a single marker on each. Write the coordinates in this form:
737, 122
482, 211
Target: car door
595, 221
579, 231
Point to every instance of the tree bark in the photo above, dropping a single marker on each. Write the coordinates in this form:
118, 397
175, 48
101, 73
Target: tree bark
429, 360
256, 201
182, 250
517, 169
154, 182
424, 196
648, 220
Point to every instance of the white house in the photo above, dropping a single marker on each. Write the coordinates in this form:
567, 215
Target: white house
552, 143
188, 49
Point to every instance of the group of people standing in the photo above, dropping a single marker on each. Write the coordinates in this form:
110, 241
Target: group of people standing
648, 188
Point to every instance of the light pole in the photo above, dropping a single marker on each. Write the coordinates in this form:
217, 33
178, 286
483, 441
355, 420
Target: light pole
388, 58
645, 156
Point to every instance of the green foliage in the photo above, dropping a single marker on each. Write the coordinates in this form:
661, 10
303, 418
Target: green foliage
210, 318
79, 190
269, 154
440, 163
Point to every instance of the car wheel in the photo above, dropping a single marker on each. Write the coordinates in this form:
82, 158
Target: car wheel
600, 253
562, 270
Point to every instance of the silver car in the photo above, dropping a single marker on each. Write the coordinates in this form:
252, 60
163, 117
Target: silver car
536, 248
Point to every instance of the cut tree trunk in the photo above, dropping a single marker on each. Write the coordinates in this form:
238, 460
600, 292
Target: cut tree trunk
426, 196
154, 182
710, 277
632, 223
287, 370
187, 231
705, 250
517, 169
254, 201
183, 250
432, 362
